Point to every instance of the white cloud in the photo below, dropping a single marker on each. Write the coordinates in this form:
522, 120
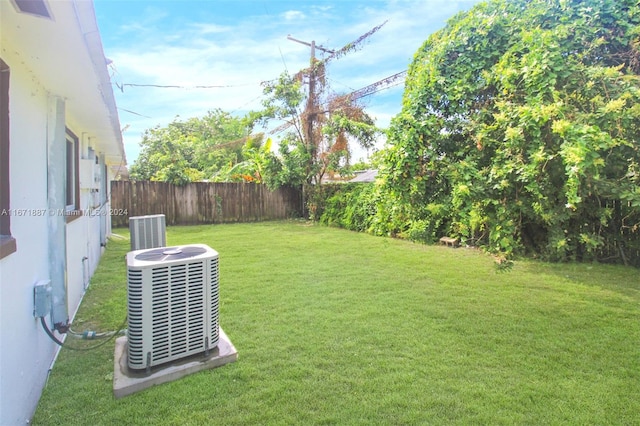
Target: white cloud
205, 28
292, 15
205, 52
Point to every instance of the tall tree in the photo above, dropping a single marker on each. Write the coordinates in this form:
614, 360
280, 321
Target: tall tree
520, 130
323, 122
319, 131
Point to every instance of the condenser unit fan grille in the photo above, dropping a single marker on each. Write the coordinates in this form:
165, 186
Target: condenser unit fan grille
170, 253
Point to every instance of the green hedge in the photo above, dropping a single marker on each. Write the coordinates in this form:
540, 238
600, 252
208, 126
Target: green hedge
347, 205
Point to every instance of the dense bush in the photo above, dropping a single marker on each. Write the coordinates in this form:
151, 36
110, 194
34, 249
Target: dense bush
345, 205
351, 206
520, 132
316, 197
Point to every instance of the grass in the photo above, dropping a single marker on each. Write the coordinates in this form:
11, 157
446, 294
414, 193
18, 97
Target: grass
336, 327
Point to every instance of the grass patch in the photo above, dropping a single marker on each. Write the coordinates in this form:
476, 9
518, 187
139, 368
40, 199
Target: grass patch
337, 327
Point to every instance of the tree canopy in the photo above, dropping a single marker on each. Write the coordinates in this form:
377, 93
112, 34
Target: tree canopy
520, 131
220, 147
191, 150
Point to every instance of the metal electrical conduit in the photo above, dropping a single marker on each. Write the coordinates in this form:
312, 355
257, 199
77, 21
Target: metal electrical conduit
86, 335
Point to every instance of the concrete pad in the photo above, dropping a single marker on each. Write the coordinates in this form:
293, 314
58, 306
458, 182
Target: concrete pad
126, 381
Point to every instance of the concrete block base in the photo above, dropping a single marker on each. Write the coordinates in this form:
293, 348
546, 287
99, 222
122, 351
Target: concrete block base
126, 381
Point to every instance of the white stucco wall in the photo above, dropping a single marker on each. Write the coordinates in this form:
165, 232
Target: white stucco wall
26, 352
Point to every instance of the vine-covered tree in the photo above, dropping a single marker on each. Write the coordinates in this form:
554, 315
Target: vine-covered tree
322, 122
318, 129
520, 131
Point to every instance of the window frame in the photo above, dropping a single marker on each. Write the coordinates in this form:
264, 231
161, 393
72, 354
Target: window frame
7, 241
33, 7
72, 179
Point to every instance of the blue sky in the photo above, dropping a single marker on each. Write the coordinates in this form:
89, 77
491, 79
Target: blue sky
239, 44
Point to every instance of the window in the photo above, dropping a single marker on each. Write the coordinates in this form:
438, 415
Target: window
72, 204
7, 242
33, 7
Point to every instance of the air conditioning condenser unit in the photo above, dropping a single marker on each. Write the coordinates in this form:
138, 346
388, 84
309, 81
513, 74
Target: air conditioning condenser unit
147, 231
172, 304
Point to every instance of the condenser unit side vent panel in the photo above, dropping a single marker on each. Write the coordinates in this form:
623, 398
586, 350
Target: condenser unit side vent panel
214, 317
135, 316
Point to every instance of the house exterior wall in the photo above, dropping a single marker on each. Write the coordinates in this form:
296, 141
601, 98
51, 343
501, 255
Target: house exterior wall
26, 352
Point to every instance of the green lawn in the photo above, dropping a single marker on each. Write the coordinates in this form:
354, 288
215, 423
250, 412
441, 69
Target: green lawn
336, 327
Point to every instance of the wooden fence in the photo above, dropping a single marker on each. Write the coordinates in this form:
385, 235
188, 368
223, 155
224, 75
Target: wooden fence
202, 202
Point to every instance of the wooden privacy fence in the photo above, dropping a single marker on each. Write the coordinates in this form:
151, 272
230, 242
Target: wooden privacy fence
202, 202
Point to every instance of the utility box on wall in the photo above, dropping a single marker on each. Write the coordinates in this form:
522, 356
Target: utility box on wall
42, 298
